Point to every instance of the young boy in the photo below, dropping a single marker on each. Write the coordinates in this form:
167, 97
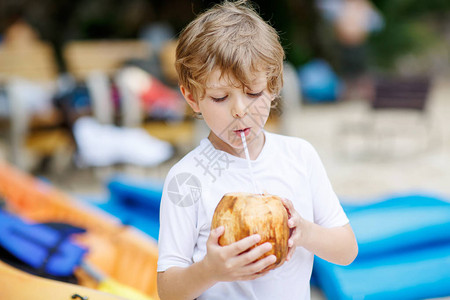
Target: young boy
229, 63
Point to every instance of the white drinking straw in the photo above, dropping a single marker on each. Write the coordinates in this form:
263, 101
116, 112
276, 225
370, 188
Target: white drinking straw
247, 155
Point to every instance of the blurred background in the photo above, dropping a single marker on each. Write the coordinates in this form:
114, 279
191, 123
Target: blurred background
89, 99
63, 60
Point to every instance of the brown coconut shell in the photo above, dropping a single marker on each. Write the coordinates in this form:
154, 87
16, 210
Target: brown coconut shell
244, 214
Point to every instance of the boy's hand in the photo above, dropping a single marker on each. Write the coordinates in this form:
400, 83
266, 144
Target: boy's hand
295, 224
236, 261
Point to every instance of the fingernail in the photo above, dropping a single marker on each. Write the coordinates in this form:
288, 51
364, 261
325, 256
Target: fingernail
257, 238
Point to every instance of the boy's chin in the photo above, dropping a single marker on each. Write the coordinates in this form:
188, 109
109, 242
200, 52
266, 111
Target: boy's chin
237, 143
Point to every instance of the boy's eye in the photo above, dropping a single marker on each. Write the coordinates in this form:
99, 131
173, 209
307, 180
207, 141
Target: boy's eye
219, 99
255, 95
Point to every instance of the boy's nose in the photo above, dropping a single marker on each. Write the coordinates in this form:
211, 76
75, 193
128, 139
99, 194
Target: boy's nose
238, 110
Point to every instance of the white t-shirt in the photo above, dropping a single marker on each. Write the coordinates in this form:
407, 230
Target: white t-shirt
287, 167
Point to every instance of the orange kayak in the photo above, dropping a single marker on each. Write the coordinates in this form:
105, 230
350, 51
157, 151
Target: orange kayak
124, 254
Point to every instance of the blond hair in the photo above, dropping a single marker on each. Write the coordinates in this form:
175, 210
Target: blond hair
233, 38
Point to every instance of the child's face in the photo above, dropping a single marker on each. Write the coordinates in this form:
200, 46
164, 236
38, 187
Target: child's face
229, 109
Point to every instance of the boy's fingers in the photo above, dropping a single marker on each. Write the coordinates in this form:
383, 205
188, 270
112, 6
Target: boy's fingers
294, 220
242, 245
261, 264
291, 223
254, 254
215, 234
255, 270
288, 204
295, 236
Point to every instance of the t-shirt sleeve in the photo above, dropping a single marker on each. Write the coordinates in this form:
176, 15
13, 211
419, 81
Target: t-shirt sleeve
327, 209
178, 228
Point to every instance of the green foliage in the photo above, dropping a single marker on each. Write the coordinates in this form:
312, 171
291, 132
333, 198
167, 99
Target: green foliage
408, 28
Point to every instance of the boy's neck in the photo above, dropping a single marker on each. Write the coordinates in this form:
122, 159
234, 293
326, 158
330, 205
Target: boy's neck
254, 148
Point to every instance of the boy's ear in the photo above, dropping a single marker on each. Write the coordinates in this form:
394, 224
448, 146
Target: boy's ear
190, 99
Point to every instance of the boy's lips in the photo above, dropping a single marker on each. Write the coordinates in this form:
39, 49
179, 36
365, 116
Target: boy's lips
246, 131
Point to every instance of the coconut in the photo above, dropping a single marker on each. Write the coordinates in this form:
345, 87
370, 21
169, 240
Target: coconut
244, 214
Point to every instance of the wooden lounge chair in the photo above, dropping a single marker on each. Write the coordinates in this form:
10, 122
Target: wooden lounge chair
396, 123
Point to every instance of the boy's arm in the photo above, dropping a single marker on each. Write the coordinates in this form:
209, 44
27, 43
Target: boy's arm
184, 283
227, 263
337, 245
